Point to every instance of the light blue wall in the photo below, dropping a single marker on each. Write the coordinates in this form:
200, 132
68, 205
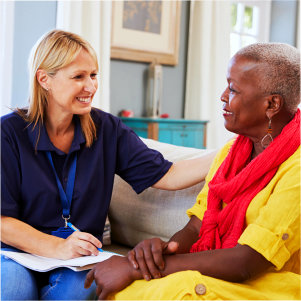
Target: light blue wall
128, 79
283, 21
32, 19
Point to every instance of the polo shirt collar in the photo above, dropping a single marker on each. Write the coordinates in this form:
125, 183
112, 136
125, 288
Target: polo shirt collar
44, 143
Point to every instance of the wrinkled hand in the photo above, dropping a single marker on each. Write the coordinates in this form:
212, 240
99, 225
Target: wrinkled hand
148, 256
78, 244
111, 276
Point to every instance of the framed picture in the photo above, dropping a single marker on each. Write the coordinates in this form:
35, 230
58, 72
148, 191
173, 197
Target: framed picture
146, 31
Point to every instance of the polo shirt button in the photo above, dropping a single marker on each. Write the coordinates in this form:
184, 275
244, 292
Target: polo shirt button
285, 236
200, 289
65, 179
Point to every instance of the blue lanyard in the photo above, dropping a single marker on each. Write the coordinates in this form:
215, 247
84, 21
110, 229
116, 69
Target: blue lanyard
66, 198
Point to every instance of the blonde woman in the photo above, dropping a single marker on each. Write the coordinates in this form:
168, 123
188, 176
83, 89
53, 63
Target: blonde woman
59, 157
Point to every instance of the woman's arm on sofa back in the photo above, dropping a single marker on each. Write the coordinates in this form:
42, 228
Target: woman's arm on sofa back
186, 173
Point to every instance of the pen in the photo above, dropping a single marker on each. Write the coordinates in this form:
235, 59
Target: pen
75, 229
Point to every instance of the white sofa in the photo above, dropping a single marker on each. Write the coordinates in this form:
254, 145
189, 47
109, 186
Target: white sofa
154, 212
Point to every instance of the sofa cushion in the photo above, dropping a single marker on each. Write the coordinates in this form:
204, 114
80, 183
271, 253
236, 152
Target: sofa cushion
154, 212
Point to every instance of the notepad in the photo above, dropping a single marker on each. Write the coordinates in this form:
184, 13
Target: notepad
44, 264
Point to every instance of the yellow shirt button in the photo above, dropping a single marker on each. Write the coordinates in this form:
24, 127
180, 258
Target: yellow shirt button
285, 236
200, 289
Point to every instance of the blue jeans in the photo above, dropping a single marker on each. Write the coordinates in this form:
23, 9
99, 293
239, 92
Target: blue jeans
20, 283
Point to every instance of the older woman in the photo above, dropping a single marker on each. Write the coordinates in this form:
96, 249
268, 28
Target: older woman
243, 238
58, 160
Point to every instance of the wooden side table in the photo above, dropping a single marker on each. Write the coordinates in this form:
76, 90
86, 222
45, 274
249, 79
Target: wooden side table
191, 133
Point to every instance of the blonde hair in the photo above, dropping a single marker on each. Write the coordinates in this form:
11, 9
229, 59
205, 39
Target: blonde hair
279, 67
53, 51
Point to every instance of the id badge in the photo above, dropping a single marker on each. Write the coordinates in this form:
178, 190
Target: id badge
62, 232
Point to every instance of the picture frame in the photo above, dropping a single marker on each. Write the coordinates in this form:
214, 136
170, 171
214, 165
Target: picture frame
146, 31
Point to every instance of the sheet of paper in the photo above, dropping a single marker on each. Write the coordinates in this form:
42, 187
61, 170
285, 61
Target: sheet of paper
44, 264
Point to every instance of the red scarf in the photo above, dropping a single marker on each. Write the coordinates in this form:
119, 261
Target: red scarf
237, 181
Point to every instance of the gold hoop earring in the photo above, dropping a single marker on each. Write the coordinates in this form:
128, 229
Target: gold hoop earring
267, 139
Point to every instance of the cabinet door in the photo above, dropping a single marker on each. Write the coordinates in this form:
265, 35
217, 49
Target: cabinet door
139, 127
191, 135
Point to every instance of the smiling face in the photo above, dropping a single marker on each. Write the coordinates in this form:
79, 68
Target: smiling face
72, 88
245, 104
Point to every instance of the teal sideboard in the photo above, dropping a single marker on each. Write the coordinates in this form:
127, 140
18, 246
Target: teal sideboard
191, 133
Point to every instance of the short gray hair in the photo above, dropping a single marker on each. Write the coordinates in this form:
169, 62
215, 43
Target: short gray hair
279, 68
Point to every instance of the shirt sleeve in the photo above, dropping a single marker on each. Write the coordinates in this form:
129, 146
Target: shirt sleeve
137, 164
10, 172
200, 205
275, 233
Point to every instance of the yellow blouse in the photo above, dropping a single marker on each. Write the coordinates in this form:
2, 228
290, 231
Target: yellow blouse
273, 229
273, 216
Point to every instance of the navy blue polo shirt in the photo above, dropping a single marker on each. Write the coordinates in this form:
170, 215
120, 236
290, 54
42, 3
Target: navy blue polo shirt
28, 186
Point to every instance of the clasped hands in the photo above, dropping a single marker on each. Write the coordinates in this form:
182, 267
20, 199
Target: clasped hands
144, 261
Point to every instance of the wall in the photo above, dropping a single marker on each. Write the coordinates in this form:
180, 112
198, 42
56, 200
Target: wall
32, 19
284, 21
129, 79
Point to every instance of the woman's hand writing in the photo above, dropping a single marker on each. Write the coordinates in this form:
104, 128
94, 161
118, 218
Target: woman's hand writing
111, 276
77, 244
148, 256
